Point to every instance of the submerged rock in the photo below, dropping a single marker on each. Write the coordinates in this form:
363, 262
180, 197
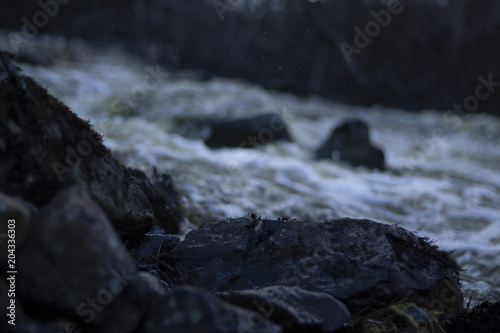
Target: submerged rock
350, 142
362, 263
44, 147
292, 307
247, 132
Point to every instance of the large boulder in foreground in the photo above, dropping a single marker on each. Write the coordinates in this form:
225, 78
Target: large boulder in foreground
74, 275
362, 263
44, 147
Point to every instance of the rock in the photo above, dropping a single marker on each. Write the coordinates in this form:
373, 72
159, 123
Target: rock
33, 58
147, 253
350, 142
292, 307
362, 263
164, 198
247, 132
16, 319
44, 148
75, 265
484, 318
15, 221
75, 274
186, 309
152, 245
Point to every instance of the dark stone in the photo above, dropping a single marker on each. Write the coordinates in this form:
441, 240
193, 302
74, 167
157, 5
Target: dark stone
247, 132
362, 263
14, 216
147, 253
152, 245
484, 318
75, 274
44, 148
164, 198
18, 322
72, 256
186, 309
292, 308
350, 142
32, 58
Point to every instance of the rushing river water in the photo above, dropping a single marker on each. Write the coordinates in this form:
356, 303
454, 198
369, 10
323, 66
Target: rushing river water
443, 180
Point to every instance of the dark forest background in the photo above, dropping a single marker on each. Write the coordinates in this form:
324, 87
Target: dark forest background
430, 55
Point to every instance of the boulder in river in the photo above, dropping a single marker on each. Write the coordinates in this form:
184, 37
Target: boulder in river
247, 132
362, 263
44, 148
350, 142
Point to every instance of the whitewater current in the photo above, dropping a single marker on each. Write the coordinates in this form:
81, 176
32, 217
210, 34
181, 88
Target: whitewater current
443, 179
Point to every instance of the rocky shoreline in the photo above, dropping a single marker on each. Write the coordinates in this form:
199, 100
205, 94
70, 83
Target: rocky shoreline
89, 260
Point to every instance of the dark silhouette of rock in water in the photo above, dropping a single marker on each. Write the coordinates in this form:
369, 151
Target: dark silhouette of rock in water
350, 142
247, 132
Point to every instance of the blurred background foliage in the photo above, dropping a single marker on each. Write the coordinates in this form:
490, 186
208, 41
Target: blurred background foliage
430, 55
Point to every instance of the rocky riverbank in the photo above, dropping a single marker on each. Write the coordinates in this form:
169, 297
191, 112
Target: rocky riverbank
89, 257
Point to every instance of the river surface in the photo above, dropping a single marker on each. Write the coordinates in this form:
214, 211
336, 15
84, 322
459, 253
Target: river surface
443, 181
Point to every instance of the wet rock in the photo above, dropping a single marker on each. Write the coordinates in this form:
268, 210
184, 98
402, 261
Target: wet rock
362, 263
186, 309
75, 266
147, 253
292, 308
44, 147
350, 142
247, 132
33, 58
152, 245
15, 220
164, 198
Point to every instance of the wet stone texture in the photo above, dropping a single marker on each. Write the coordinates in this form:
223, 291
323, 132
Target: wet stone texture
44, 148
362, 263
293, 308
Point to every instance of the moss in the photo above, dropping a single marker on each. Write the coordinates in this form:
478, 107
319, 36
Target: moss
395, 318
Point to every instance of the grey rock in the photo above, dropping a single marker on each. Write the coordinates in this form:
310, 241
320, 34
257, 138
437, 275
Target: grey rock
186, 309
292, 307
15, 221
74, 265
146, 256
44, 148
362, 263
